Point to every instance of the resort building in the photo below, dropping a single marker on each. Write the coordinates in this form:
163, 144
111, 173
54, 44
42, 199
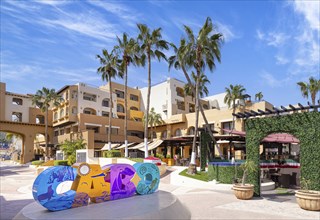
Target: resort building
85, 111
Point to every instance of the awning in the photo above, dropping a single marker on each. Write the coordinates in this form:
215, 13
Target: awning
139, 146
278, 137
106, 146
152, 145
123, 145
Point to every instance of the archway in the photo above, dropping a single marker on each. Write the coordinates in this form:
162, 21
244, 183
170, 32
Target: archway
304, 126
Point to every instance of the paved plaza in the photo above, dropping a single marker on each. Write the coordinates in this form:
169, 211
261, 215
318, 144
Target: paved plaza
205, 200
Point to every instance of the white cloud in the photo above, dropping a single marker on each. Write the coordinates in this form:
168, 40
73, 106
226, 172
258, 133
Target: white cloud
311, 12
227, 32
270, 79
275, 39
281, 60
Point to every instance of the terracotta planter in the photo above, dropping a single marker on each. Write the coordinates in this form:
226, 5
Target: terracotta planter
308, 199
165, 160
243, 192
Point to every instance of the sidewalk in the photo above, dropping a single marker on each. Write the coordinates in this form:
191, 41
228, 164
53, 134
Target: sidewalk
205, 200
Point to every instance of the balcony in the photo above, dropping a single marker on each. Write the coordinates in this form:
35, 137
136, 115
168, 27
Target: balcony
134, 114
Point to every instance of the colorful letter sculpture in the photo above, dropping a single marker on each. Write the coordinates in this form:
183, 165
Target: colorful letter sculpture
89, 181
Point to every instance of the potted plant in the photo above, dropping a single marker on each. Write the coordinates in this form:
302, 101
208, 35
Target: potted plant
243, 190
308, 199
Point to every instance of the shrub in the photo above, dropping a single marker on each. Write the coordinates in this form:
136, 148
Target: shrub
37, 162
112, 153
60, 163
160, 156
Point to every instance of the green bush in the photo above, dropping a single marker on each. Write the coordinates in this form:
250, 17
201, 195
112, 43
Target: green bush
60, 163
224, 174
160, 156
112, 153
37, 162
137, 160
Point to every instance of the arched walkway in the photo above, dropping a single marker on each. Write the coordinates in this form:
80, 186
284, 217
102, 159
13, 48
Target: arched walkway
304, 126
28, 133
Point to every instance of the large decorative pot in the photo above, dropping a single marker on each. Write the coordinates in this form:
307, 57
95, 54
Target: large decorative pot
243, 191
308, 199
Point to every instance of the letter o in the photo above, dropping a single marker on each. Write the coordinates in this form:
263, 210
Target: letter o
150, 178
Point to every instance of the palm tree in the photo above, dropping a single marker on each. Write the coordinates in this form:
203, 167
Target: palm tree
199, 52
70, 149
44, 99
128, 48
151, 45
312, 88
108, 70
179, 62
258, 96
189, 88
234, 93
154, 119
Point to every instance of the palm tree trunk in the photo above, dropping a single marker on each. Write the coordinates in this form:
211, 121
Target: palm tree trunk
233, 111
147, 110
110, 115
203, 116
313, 99
46, 133
126, 110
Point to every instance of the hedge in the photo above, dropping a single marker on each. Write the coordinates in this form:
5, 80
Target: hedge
112, 153
60, 163
224, 174
304, 126
37, 162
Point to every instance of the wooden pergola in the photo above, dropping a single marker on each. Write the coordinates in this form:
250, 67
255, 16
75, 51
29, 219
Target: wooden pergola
276, 111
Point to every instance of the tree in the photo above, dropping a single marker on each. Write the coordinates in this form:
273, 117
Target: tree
128, 49
70, 148
179, 62
234, 93
109, 70
44, 99
258, 96
199, 52
189, 88
150, 46
154, 119
310, 88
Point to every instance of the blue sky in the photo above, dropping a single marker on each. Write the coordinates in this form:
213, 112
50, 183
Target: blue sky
268, 45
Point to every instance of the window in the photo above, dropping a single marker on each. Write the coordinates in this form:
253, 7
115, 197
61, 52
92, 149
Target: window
74, 110
61, 132
120, 108
114, 131
56, 133
55, 116
89, 97
120, 94
39, 119
61, 113
205, 106
154, 135
16, 116
67, 111
134, 97
121, 117
89, 111
180, 105
226, 125
134, 108
180, 92
164, 135
191, 107
191, 131
17, 101
105, 102
177, 132
105, 114
74, 95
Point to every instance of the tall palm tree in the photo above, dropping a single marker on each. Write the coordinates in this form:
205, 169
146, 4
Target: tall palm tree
312, 87
151, 45
203, 89
179, 62
154, 119
258, 96
109, 70
199, 53
233, 93
127, 47
44, 99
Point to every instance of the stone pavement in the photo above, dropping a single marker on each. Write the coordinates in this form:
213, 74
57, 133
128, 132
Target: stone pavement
205, 200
